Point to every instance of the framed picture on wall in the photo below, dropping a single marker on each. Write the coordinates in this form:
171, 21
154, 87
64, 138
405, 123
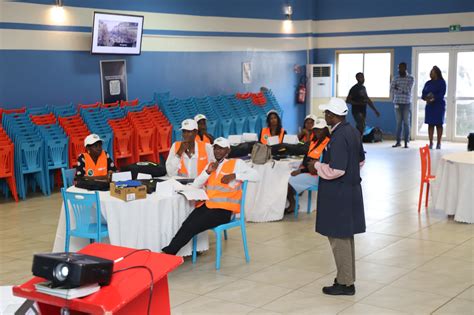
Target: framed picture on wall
113, 79
117, 34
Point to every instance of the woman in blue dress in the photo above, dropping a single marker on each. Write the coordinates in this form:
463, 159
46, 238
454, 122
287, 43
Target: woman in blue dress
433, 94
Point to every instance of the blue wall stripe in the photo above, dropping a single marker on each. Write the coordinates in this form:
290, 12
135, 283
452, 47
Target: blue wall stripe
352, 9
391, 32
257, 9
87, 29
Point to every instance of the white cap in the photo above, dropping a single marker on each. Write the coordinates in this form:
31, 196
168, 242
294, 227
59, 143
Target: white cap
319, 123
272, 111
336, 106
311, 116
189, 124
91, 139
222, 142
198, 117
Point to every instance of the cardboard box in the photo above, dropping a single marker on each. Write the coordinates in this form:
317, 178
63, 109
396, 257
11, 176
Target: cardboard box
128, 193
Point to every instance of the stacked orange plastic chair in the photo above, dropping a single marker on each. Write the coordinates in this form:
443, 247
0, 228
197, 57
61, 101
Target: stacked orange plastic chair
124, 143
164, 129
426, 176
129, 103
7, 170
46, 119
145, 136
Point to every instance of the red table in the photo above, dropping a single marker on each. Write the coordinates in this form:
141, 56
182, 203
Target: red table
128, 292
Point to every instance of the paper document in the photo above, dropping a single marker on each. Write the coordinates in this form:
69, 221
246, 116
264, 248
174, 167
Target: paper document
290, 139
273, 140
143, 176
68, 294
192, 193
121, 176
165, 189
235, 139
249, 137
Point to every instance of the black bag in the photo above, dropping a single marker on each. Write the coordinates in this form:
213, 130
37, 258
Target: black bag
470, 142
153, 169
240, 150
150, 185
92, 184
297, 149
375, 135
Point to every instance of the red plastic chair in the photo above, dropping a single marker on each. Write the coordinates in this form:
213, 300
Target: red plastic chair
129, 103
110, 105
426, 176
6, 165
85, 106
47, 119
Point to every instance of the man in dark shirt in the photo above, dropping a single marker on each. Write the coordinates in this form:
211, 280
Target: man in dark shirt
359, 100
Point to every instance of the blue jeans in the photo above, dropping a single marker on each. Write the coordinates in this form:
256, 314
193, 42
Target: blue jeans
403, 115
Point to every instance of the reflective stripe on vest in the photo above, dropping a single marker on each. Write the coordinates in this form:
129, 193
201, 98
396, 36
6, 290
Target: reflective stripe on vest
266, 133
202, 158
95, 169
315, 152
223, 196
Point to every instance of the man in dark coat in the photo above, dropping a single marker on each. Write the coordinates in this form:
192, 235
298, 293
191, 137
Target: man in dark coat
340, 206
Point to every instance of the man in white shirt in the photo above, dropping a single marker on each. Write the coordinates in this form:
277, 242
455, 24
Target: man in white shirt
189, 157
221, 180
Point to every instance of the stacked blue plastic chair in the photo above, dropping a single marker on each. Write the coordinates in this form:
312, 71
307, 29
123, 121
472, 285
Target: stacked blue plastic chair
240, 114
63, 110
56, 151
29, 153
226, 117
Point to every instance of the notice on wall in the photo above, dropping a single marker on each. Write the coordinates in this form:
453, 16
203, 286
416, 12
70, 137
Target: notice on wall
246, 72
113, 78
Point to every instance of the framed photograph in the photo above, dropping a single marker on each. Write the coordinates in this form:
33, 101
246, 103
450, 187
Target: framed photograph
117, 34
113, 79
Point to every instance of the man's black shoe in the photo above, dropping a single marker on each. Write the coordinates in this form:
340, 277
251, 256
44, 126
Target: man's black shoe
398, 144
339, 289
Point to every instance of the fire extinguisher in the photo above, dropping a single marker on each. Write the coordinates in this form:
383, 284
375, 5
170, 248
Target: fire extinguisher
301, 91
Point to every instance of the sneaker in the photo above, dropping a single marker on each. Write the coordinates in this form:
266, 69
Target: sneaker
339, 289
398, 144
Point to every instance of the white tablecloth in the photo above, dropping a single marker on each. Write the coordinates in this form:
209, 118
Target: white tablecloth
453, 189
145, 223
266, 199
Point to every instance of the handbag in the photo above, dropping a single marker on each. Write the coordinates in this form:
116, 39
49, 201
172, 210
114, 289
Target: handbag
261, 153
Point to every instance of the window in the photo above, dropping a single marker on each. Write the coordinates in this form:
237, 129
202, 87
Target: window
376, 66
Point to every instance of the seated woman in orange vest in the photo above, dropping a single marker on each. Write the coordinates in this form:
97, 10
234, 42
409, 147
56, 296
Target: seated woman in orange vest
306, 134
188, 157
202, 134
273, 128
221, 180
301, 179
95, 163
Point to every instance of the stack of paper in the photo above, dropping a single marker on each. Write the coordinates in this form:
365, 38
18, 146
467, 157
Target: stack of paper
68, 294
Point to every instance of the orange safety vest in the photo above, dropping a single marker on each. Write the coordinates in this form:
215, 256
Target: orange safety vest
96, 169
314, 151
266, 133
202, 158
205, 139
223, 196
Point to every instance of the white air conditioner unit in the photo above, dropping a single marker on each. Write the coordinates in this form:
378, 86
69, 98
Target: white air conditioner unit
319, 85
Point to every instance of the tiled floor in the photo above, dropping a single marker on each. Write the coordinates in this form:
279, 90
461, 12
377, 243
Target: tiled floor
405, 263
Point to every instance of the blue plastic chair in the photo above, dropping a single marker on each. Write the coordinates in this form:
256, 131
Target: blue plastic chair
68, 177
82, 205
240, 222
310, 191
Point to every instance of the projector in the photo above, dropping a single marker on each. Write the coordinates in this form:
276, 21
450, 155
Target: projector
71, 270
